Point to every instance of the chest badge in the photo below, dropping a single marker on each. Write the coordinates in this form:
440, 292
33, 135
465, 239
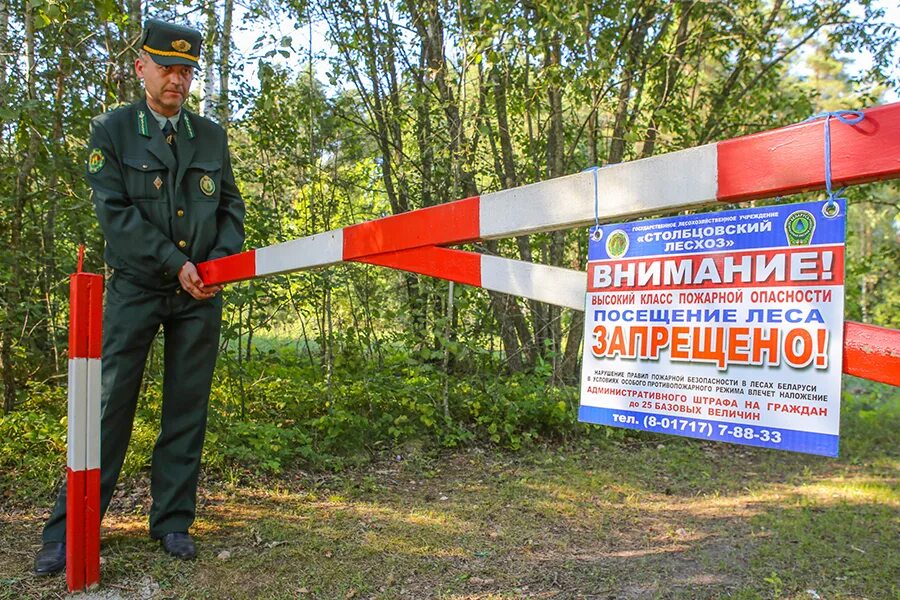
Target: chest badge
96, 161
207, 185
157, 182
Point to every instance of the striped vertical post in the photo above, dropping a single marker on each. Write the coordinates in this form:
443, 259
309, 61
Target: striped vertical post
83, 439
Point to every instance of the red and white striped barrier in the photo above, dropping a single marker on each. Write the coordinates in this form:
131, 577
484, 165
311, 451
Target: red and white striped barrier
83, 440
781, 161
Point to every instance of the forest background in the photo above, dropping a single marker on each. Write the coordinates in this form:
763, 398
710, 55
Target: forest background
410, 105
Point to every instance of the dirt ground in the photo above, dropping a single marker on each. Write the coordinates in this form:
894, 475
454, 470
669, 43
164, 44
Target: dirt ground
643, 519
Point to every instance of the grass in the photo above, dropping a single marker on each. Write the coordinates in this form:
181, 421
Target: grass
646, 516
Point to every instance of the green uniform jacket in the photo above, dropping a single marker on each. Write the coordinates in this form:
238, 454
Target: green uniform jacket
154, 216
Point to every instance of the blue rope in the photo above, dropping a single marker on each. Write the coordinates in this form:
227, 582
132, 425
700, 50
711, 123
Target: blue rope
596, 202
847, 117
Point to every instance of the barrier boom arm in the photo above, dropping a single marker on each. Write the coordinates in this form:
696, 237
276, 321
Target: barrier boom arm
781, 161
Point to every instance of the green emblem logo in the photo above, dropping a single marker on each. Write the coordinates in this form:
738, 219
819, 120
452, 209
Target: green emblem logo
799, 227
617, 244
207, 185
96, 160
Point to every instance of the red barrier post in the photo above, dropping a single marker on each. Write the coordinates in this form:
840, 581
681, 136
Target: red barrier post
83, 439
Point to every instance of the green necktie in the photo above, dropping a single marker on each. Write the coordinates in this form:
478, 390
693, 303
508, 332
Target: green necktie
169, 135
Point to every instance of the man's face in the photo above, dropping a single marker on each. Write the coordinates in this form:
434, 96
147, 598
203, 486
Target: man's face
167, 87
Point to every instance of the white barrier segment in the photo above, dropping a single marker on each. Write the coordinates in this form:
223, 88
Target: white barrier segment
76, 451
317, 250
538, 206
677, 180
554, 285
92, 419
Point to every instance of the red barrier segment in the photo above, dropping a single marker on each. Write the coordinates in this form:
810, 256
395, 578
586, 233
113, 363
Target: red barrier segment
92, 525
792, 159
443, 263
872, 352
75, 530
86, 315
451, 223
82, 523
229, 269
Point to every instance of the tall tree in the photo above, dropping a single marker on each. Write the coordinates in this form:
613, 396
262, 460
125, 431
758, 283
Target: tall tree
209, 99
225, 63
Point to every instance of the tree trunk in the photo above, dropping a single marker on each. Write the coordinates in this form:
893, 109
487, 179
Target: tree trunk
555, 168
395, 120
865, 247
250, 304
132, 86
431, 30
592, 125
4, 43
225, 65
208, 103
424, 133
667, 84
713, 124
637, 32
48, 230
379, 110
510, 179
27, 157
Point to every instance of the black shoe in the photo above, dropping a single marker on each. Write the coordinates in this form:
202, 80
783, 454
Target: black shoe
50, 559
179, 545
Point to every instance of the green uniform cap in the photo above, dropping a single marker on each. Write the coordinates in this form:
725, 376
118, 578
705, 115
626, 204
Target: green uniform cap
170, 44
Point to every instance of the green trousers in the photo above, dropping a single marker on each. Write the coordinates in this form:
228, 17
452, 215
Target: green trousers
132, 317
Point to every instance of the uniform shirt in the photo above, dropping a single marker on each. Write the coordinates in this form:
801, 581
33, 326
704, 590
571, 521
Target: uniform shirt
161, 119
154, 216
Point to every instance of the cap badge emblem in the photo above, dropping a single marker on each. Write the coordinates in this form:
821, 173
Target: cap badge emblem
181, 45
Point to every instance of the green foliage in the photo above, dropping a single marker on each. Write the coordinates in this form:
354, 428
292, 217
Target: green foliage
515, 412
870, 423
366, 408
33, 444
872, 287
265, 447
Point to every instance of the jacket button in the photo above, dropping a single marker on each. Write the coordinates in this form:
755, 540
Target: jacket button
180, 213
182, 244
178, 292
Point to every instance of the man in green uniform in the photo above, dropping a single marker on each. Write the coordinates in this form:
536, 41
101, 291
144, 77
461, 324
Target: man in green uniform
166, 200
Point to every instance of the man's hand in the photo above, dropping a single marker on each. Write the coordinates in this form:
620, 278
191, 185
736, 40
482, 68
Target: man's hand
193, 285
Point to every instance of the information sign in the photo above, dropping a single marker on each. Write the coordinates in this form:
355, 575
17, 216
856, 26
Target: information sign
724, 326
